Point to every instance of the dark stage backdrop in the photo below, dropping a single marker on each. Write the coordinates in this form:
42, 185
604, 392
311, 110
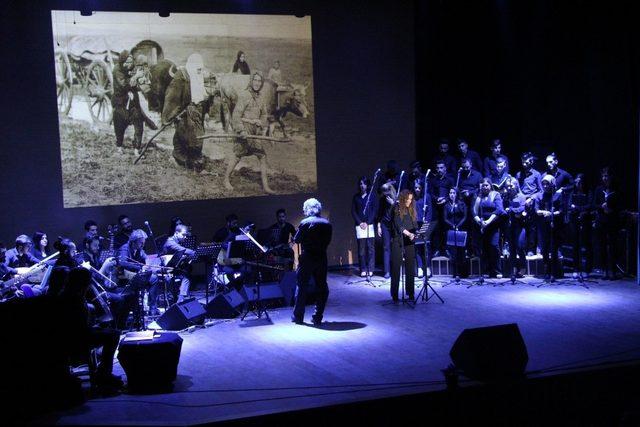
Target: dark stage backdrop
363, 59
541, 75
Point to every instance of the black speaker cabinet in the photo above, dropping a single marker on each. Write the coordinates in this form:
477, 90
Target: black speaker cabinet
268, 291
151, 365
182, 315
225, 306
490, 353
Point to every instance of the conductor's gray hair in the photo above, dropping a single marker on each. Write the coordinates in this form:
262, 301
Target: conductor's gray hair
311, 207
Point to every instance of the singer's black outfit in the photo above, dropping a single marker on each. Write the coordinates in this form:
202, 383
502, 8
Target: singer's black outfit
515, 206
400, 242
489, 238
366, 251
606, 228
385, 219
314, 235
580, 223
455, 216
550, 231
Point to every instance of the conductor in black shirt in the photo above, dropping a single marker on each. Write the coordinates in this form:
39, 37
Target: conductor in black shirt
404, 227
314, 235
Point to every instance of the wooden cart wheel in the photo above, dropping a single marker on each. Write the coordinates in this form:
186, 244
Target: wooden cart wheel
99, 86
64, 82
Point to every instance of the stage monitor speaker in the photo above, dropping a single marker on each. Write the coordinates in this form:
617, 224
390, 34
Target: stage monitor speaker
268, 291
490, 353
225, 306
288, 283
151, 365
182, 315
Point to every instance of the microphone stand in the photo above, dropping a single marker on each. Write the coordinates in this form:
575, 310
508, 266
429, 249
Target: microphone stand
155, 245
426, 286
367, 280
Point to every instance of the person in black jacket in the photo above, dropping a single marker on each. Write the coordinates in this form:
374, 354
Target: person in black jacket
548, 207
364, 207
580, 220
455, 217
385, 219
402, 245
487, 212
606, 199
467, 153
314, 236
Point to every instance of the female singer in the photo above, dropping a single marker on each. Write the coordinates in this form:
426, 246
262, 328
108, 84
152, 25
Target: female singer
40, 248
455, 216
515, 209
404, 227
487, 210
363, 210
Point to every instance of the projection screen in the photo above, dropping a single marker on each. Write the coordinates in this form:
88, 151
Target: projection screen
187, 107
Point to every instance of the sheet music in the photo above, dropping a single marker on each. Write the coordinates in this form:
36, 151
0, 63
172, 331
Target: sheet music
366, 233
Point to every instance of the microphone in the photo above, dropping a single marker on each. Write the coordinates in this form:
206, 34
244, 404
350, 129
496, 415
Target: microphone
148, 228
427, 174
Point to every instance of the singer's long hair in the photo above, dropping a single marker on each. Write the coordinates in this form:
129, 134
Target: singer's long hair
401, 209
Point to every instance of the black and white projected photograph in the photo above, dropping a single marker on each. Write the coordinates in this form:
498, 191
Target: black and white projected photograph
187, 107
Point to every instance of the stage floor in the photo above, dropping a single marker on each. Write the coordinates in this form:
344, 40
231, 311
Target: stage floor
370, 349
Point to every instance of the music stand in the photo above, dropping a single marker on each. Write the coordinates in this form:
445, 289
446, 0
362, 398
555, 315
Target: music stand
426, 285
208, 252
251, 249
457, 239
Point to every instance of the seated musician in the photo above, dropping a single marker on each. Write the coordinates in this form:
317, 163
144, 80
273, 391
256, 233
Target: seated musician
283, 233
83, 335
5, 270
90, 228
125, 227
103, 273
20, 255
40, 247
229, 232
173, 245
132, 257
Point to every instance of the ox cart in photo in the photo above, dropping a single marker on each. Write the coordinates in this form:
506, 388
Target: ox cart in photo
84, 69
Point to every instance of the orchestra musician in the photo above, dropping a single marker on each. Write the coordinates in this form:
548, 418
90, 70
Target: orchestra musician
471, 155
403, 244
487, 212
40, 249
530, 183
121, 303
20, 255
229, 232
514, 206
172, 245
363, 212
455, 217
385, 220
606, 203
314, 236
285, 232
468, 183
125, 227
90, 228
85, 335
580, 215
132, 258
548, 208
490, 163
439, 184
